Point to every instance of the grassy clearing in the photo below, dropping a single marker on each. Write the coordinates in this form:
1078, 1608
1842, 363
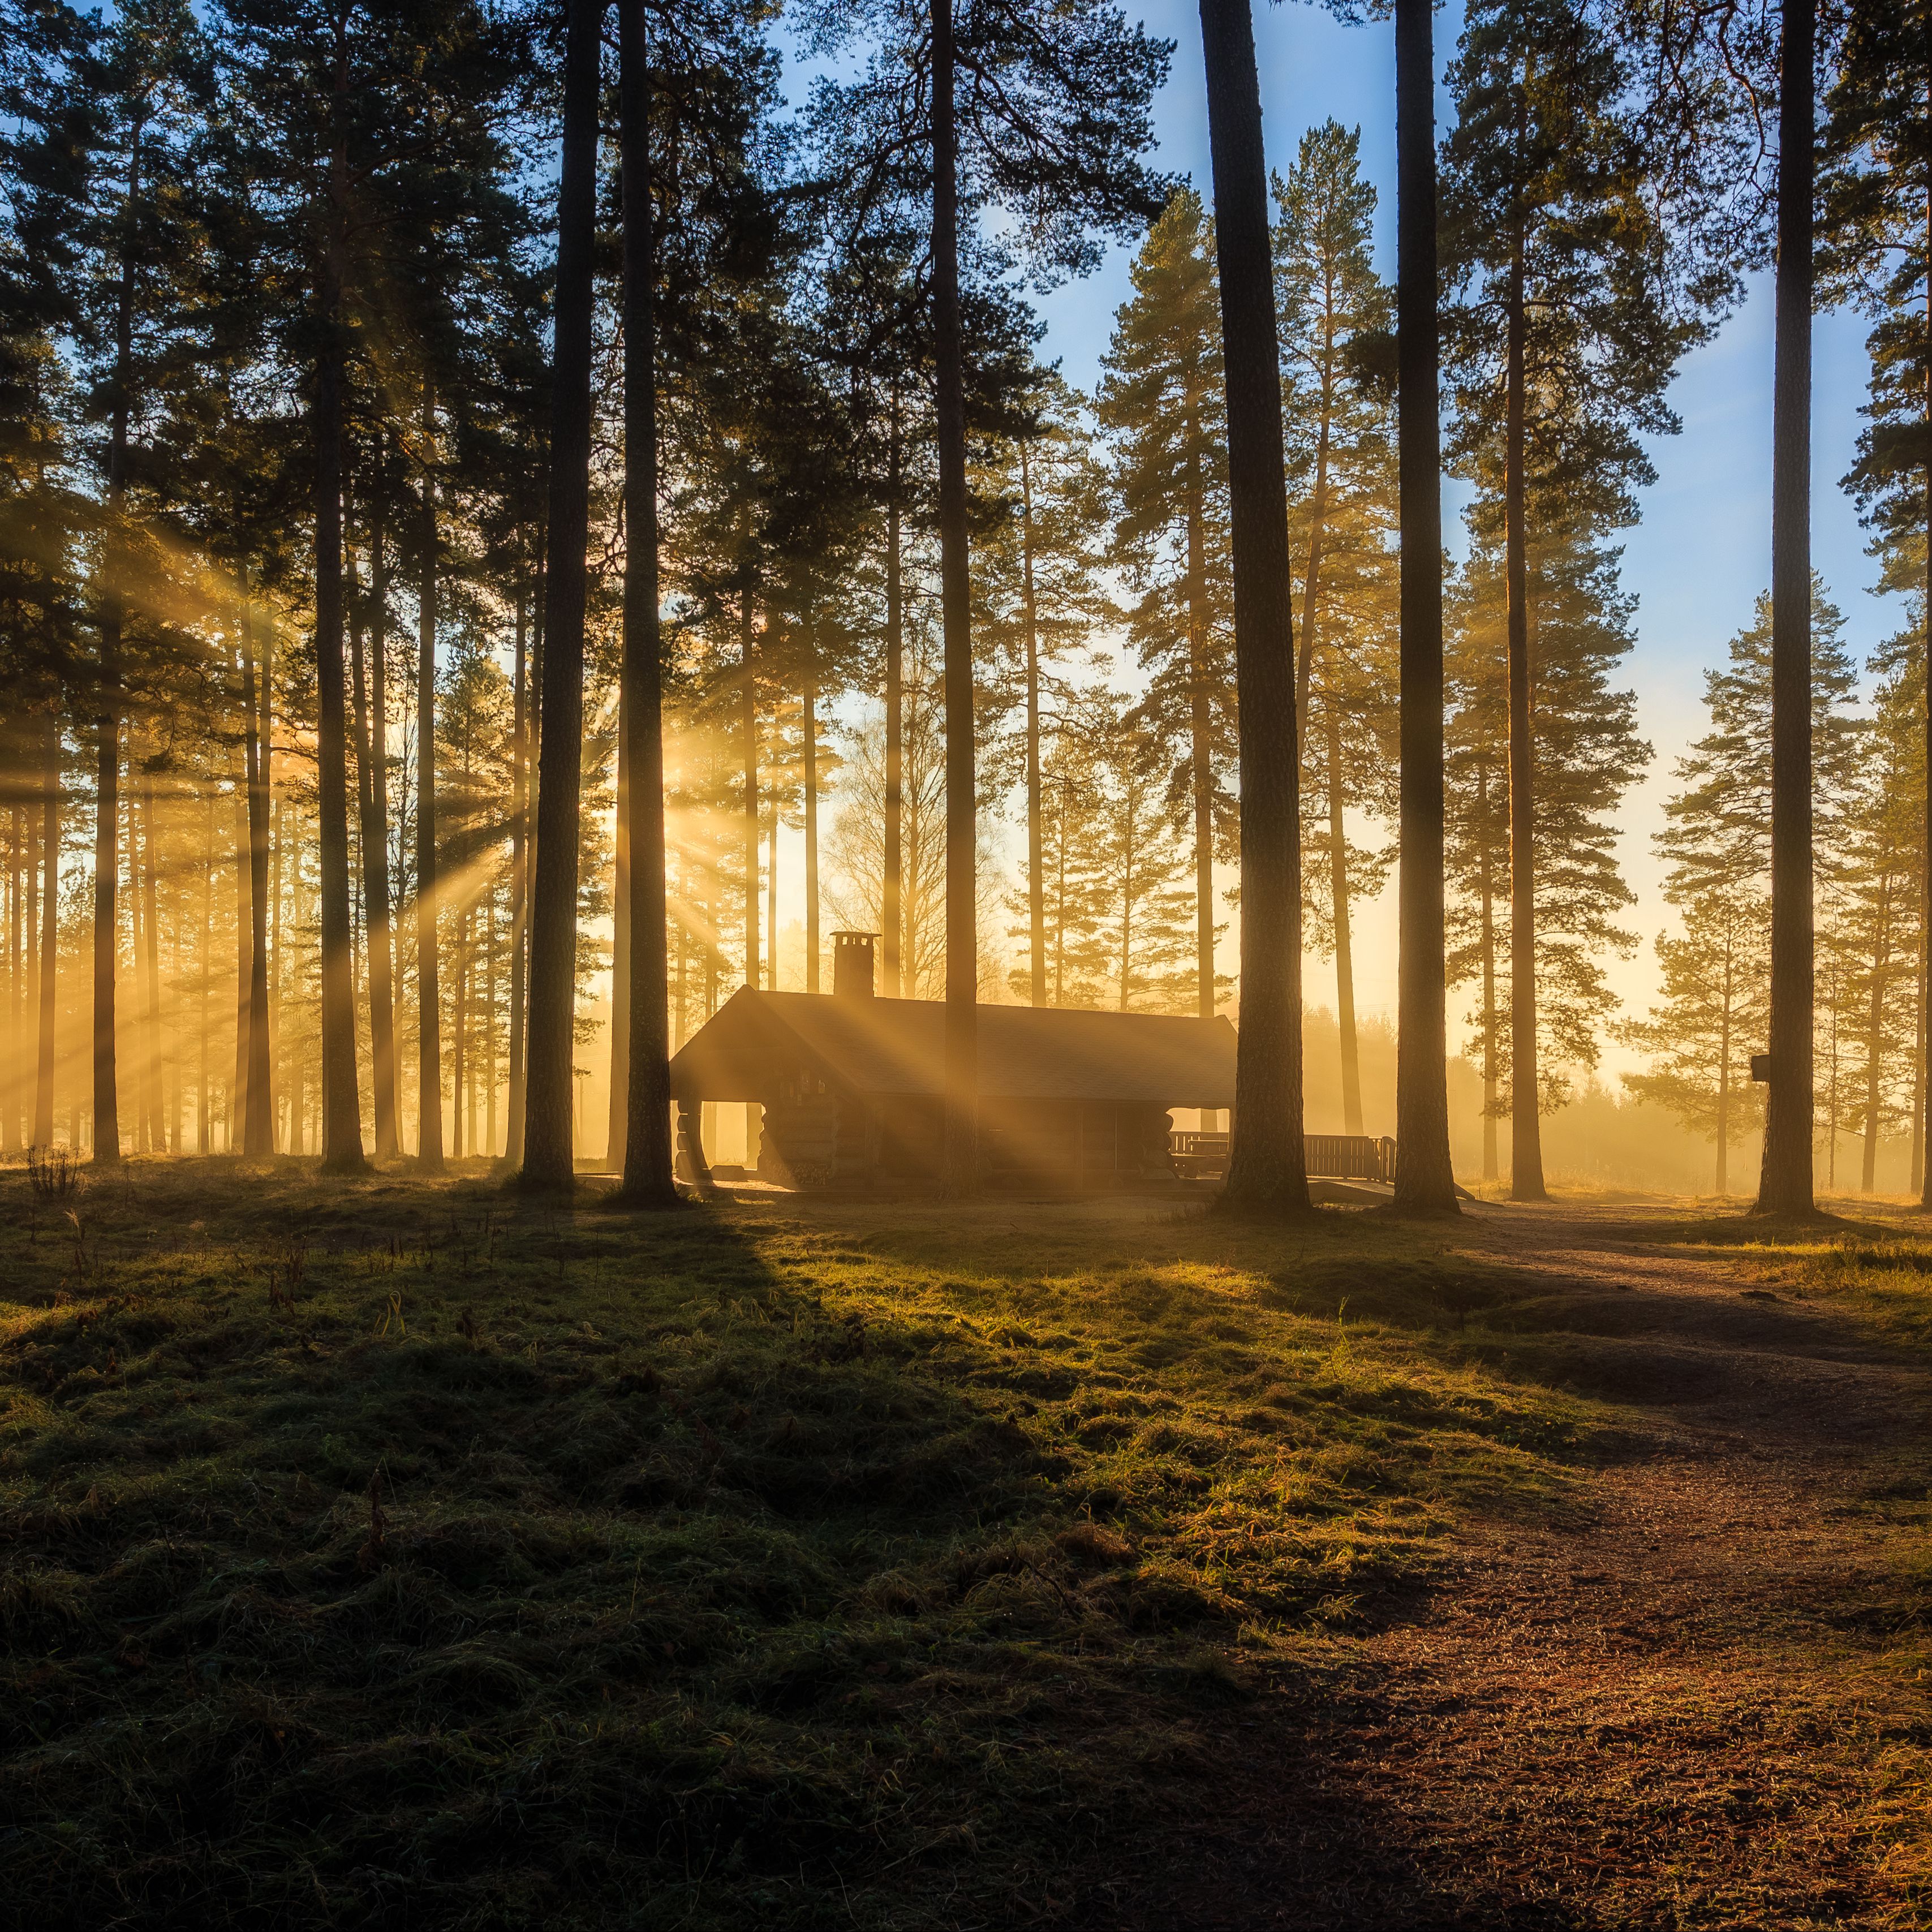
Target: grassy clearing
397, 1552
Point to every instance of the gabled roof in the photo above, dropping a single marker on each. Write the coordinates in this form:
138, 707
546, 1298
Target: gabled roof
882, 1047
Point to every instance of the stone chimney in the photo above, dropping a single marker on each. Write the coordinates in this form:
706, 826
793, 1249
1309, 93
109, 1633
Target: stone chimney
852, 965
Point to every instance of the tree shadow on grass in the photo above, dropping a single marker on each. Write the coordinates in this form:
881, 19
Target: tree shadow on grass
744, 1567
1745, 1229
398, 1549
395, 1550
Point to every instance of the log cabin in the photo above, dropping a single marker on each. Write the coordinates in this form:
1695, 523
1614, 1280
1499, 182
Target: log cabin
1070, 1099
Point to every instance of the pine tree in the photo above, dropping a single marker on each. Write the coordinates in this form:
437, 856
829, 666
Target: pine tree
1038, 595
1336, 313
1717, 836
1267, 1162
1716, 845
721, 251
870, 321
857, 851
1425, 1183
1589, 755
1874, 928
1565, 338
1144, 932
1701, 1035
647, 1148
1876, 237
1786, 1185
548, 1149
1162, 402
1064, 882
46, 135
365, 135
149, 82
1117, 923
1042, 116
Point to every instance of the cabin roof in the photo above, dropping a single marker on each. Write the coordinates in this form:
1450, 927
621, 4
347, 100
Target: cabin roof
896, 1047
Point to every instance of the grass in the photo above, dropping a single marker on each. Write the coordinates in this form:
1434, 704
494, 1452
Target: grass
1876, 1267
1870, 1257
392, 1552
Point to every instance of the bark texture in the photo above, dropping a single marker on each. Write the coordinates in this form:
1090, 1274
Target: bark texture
549, 1158
50, 933
648, 1151
1526, 1117
1425, 1183
1267, 1166
892, 916
429, 990
258, 1127
373, 747
1785, 1180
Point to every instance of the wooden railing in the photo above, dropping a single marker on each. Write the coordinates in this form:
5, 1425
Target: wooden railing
1204, 1156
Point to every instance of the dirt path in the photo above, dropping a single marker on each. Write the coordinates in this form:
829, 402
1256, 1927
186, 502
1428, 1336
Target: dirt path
1705, 1707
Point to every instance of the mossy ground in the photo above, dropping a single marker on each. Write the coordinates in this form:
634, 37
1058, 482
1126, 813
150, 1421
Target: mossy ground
393, 1553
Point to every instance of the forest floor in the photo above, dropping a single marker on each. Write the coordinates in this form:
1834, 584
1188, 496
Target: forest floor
397, 1552
1701, 1701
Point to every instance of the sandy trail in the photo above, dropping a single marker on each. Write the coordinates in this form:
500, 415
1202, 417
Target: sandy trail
1705, 1705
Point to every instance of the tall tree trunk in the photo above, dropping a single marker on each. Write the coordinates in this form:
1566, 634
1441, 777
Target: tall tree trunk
1525, 1097
16, 975
1831, 1094
277, 878
810, 720
1338, 848
1317, 531
1425, 1183
1875, 1048
258, 1128
648, 1151
459, 1029
298, 1047
961, 1055
747, 724
892, 914
1267, 1166
341, 1105
49, 933
1785, 1185
372, 753
520, 854
1036, 879
1201, 744
681, 997
154, 1123
107, 776
618, 1111
548, 1154
429, 989
1918, 1174
1344, 955
204, 1117
771, 899
490, 984
1724, 1175
107, 862
1922, 1170
1491, 1020
137, 942
238, 1091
